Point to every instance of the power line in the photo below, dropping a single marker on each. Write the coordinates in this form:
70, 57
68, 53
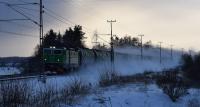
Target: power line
59, 15
18, 34
8, 20
24, 15
23, 1
35, 10
11, 6
27, 13
22, 4
61, 19
103, 39
69, 21
21, 25
50, 15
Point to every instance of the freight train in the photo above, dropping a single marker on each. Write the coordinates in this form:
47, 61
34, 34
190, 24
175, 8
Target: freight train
62, 60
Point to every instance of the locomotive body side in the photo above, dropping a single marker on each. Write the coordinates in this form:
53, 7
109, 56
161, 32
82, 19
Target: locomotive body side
54, 59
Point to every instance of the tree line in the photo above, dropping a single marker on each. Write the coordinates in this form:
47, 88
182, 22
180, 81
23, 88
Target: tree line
126, 41
130, 41
72, 38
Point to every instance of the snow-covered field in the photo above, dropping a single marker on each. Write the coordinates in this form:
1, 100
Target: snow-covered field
9, 71
134, 95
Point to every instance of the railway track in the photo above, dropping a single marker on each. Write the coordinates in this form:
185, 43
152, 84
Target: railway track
29, 76
19, 77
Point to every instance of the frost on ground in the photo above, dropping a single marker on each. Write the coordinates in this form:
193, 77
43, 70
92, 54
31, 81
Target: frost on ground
135, 95
9, 71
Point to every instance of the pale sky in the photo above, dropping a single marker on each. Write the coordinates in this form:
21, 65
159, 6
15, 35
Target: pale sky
174, 22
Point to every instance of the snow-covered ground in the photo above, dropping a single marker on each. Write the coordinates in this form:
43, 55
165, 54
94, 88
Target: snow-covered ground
9, 71
134, 95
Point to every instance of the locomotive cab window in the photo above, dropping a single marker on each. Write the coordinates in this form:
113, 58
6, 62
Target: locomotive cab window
47, 51
57, 52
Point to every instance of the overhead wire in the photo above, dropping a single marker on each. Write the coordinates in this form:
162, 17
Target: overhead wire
19, 24
59, 15
22, 1
68, 23
103, 39
33, 16
47, 12
7, 20
34, 10
24, 15
75, 3
17, 34
62, 19
67, 20
22, 4
50, 15
12, 20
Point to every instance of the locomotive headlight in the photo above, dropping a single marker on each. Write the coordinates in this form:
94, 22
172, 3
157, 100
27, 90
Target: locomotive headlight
58, 60
45, 59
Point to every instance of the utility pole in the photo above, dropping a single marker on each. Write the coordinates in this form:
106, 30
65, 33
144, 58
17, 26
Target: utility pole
171, 51
41, 39
41, 23
141, 47
111, 44
160, 43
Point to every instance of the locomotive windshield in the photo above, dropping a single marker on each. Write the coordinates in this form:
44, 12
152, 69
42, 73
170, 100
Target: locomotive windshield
57, 52
47, 51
